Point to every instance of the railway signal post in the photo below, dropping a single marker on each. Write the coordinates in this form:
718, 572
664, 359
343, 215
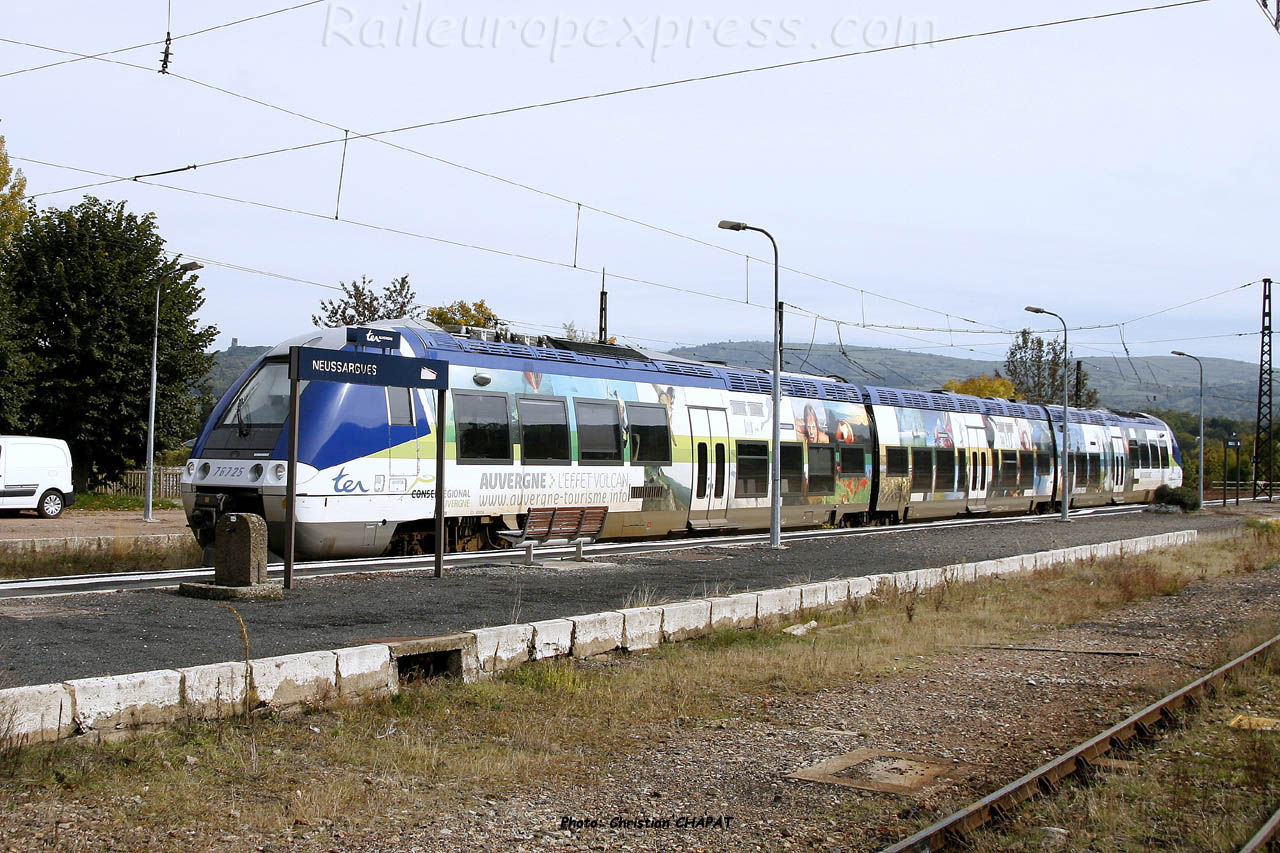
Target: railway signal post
362, 368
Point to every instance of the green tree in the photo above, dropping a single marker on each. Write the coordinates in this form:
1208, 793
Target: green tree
1035, 366
463, 313
82, 287
13, 201
994, 385
360, 303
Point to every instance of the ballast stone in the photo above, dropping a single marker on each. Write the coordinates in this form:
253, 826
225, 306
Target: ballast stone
734, 611
284, 681
552, 638
503, 647
685, 620
596, 633
135, 700
641, 628
38, 713
365, 671
214, 690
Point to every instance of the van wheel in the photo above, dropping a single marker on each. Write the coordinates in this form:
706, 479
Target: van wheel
50, 505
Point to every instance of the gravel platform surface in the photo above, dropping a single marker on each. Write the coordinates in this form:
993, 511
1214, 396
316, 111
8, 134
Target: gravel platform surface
56, 638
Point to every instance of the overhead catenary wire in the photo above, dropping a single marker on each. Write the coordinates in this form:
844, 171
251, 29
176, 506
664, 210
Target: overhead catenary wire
118, 50
671, 83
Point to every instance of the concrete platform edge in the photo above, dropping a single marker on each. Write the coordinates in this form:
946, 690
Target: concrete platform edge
133, 702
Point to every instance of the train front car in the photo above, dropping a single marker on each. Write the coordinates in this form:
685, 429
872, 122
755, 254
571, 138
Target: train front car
353, 466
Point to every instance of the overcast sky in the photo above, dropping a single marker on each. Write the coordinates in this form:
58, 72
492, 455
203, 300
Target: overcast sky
1104, 169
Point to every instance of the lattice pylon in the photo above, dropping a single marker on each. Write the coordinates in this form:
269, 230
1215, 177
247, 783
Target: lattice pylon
1263, 446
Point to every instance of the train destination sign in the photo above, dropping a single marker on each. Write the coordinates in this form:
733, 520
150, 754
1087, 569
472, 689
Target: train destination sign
373, 337
362, 368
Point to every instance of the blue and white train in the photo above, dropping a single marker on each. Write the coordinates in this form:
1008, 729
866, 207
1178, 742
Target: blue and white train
666, 445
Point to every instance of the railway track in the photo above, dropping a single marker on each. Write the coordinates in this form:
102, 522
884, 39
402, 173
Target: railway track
951, 830
119, 581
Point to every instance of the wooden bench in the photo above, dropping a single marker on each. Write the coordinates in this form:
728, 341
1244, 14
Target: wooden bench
576, 525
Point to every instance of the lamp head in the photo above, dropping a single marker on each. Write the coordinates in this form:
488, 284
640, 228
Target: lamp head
1179, 352
190, 266
1034, 310
730, 225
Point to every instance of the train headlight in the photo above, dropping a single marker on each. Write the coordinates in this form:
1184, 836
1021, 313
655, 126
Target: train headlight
204, 470
278, 470
191, 469
255, 473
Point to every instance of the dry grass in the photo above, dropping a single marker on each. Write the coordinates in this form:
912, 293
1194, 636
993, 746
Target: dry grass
122, 555
1201, 786
440, 744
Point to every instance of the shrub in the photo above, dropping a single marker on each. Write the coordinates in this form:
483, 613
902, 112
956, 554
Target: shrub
1182, 497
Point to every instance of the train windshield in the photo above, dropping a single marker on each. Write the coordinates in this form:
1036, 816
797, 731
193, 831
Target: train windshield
264, 399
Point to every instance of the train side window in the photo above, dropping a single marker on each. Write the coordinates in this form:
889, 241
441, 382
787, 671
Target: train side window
853, 462
701, 475
792, 468
544, 430
650, 435
599, 432
895, 462
1164, 457
720, 470
984, 471
1145, 452
753, 469
947, 470
1043, 464
1009, 469
962, 471
976, 467
1135, 459
922, 469
822, 470
483, 427
1026, 469
400, 406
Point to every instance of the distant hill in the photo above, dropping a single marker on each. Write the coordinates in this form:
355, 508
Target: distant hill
1158, 382
228, 365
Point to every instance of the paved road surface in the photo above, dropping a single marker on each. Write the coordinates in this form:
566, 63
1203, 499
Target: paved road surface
56, 638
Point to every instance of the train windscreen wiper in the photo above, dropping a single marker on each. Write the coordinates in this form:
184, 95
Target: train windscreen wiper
242, 423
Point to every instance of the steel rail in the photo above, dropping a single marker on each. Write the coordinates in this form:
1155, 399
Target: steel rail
1045, 777
1270, 831
117, 581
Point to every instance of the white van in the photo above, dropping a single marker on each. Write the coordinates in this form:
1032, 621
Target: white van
35, 473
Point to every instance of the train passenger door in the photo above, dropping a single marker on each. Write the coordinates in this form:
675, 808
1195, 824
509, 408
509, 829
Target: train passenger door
979, 462
709, 493
402, 440
1119, 467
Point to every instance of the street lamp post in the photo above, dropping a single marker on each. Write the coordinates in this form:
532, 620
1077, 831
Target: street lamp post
1066, 485
775, 467
190, 266
1201, 478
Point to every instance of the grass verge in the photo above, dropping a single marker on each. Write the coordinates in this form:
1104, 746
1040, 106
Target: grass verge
94, 502
439, 745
